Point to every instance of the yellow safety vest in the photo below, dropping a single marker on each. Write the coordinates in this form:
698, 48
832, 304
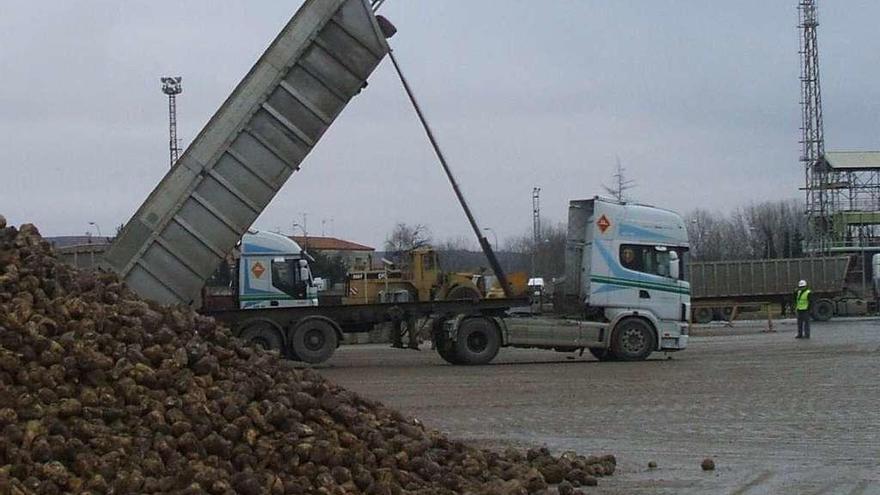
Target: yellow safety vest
803, 300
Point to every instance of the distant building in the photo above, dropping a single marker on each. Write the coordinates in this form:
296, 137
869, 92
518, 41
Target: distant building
355, 255
63, 241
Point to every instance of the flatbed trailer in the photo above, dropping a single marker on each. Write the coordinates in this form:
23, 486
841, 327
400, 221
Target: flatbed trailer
312, 333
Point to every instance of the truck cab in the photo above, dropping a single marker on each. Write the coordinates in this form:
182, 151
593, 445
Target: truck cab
631, 265
273, 272
623, 295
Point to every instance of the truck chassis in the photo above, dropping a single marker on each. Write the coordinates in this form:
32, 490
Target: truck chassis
463, 331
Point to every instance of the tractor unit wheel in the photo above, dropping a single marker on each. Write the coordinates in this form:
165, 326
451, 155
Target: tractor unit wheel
478, 341
633, 340
603, 355
313, 340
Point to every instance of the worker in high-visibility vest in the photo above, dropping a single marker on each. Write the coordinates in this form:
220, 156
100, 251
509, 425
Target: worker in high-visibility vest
802, 303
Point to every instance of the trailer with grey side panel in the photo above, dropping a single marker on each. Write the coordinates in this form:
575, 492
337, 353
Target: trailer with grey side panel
247, 151
718, 287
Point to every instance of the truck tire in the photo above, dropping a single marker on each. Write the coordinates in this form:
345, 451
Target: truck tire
726, 313
462, 292
603, 354
633, 340
313, 340
823, 310
478, 341
263, 334
446, 349
442, 344
702, 315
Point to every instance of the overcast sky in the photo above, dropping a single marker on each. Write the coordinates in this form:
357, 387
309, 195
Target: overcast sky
698, 98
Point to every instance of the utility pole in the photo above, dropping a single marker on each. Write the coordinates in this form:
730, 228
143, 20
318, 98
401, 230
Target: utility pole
172, 87
536, 225
536, 214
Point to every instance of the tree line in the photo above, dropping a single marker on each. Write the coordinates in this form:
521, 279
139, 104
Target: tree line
772, 229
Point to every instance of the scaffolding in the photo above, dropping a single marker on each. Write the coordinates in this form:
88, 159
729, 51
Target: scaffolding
842, 200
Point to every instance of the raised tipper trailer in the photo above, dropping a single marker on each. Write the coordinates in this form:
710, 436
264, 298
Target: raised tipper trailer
247, 151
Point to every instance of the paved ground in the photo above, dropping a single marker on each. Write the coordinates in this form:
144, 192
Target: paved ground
779, 415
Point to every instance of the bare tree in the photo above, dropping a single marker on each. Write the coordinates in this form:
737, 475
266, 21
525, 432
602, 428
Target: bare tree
621, 184
772, 229
548, 252
404, 238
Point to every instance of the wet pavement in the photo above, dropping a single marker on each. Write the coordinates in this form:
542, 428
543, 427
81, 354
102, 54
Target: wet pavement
778, 415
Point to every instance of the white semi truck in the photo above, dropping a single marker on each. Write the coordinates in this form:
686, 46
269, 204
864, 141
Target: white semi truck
623, 294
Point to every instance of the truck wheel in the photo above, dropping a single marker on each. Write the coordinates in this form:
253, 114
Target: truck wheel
442, 344
314, 341
478, 341
446, 350
702, 315
603, 354
726, 312
264, 335
633, 340
462, 292
823, 310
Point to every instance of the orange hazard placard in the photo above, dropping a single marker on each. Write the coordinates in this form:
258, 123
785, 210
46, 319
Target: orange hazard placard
603, 223
258, 269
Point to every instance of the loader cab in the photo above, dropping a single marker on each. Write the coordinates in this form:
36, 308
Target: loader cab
424, 272
273, 272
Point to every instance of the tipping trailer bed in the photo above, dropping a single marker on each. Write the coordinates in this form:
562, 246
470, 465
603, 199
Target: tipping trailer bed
248, 150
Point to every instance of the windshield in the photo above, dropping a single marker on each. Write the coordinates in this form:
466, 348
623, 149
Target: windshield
285, 277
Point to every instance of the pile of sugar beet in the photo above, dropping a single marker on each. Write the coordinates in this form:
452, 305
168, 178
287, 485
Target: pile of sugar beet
102, 392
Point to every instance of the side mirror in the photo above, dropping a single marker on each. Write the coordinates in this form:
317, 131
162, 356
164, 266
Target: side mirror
674, 265
304, 274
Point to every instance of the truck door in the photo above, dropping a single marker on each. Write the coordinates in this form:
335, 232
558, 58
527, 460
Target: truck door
254, 282
648, 284
290, 283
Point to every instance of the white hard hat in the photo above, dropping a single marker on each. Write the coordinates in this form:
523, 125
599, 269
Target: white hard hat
802, 283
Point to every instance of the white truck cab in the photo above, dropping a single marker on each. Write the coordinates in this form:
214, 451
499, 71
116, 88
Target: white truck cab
624, 293
631, 265
273, 272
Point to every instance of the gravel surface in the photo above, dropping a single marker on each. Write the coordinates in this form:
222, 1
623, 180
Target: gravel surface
777, 415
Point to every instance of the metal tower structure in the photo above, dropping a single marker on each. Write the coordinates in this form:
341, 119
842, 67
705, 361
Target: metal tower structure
536, 215
842, 188
820, 195
172, 87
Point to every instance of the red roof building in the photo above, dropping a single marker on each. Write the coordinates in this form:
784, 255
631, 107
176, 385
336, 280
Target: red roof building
354, 254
